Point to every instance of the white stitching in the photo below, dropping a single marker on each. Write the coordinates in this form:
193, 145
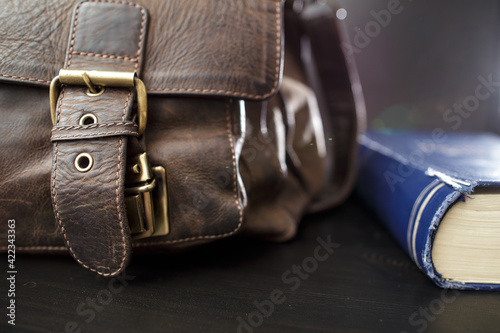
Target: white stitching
41, 248
54, 192
85, 127
106, 56
235, 188
56, 136
120, 217
73, 34
277, 70
23, 78
141, 36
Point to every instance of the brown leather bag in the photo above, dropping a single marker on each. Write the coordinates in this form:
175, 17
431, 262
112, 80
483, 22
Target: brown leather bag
174, 123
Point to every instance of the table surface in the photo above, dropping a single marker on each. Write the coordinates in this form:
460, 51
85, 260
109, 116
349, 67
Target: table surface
366, 284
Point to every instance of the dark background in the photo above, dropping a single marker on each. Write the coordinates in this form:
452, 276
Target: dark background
368, 284
427, 59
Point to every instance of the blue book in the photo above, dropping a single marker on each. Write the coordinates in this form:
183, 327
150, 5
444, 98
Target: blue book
439, 196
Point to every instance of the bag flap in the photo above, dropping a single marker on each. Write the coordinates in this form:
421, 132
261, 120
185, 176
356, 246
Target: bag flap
198, 47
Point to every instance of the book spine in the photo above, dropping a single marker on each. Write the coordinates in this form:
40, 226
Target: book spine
407, 200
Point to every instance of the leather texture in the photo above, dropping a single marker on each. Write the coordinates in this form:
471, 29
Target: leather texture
246, 151
89, 206
187, 45
198, 141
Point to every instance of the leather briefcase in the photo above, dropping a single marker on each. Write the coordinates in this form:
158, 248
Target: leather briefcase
169, 123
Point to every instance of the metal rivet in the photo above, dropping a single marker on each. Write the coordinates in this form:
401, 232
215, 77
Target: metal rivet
88, 119
99, 92
84, 162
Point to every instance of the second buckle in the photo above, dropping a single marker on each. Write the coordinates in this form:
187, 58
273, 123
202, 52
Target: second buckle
146, 198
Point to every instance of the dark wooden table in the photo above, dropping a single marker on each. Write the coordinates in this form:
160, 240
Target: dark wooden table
366, 284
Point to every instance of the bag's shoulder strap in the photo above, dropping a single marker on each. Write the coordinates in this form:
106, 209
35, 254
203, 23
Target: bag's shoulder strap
88, 170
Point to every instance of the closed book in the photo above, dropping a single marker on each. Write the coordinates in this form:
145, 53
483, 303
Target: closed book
439, 196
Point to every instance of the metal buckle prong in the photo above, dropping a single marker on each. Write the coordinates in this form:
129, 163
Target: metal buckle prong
146, 198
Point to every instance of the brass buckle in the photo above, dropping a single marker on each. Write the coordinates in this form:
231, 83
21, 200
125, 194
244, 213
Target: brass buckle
146, 198
96, 80
145, 188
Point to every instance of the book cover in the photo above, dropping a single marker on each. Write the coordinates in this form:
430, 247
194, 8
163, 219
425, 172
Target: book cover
410, 180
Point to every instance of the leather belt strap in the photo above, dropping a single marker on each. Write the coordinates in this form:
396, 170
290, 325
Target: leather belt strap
89, 160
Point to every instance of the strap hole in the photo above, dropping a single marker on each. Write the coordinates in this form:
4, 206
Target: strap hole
100, 91
88, 119
84, 162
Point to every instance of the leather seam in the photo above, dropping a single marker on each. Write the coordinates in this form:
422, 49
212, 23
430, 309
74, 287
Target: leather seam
56, 207
70, 127
54, 191
214, 91
73, 35
120, 217
141, 35
56, 136
106, 56
41, 248
241, 94
235, 189
15, 77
